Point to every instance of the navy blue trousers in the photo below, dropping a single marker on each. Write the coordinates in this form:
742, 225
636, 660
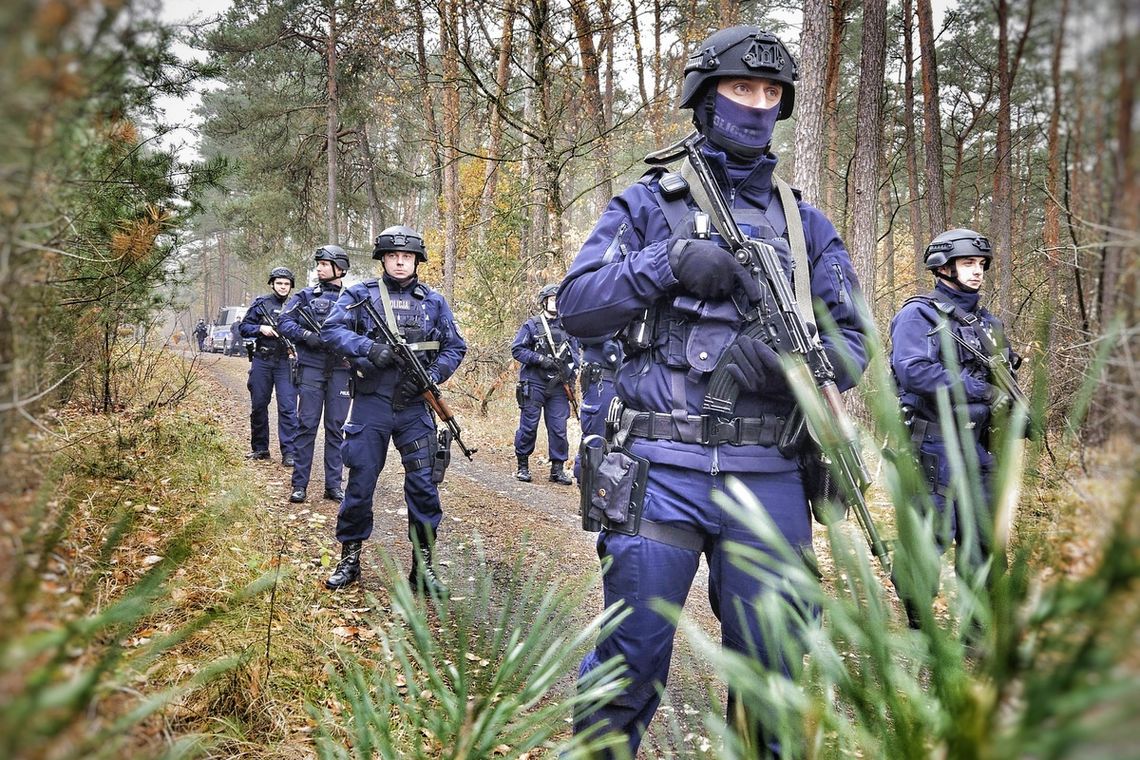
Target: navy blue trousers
265, 376
644, 570
556, 407
320, 395
371, 425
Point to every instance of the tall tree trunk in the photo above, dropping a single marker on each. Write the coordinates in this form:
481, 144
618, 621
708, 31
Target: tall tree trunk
592, 94
640, 68
1122, 211
375, 214
449, 47
891, 286
331, 138
809, 97
914, 206
868, 137
931, 122
831, 104
495, 144
1001, 229
435, 139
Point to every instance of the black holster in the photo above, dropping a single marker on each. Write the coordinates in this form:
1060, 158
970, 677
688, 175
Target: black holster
612, 487
441, 457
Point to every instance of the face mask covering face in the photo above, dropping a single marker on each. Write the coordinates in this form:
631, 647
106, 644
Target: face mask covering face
741, 130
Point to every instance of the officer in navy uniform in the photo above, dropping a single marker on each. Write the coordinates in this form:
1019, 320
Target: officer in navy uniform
683, 298
548, 357
200, 331
959, 260
322, 376
270, 370
387, 402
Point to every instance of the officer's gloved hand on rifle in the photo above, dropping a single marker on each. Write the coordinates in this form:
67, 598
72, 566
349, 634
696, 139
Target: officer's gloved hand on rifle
408, 389
708, 271
998, 400
548, 362
312, 340
756, 367
381, 356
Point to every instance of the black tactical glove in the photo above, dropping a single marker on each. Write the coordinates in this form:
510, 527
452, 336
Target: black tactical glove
548, 362
708, 271
998, 400
312, 340
381, 356
408, 389
756, 367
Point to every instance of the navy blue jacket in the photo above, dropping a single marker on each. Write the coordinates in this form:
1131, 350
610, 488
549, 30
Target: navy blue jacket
919, 366
311, 305
530, 346
623, 269
253, 320
422, 315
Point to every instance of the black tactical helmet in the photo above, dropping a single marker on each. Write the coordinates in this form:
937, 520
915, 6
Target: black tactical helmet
279, 272
333, 253
740, 51
956, 244
546, 292
399, 238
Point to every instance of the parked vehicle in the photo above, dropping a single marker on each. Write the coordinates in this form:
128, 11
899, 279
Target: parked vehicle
222, 338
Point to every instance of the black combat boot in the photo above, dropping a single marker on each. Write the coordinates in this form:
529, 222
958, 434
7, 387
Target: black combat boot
422, 577
524, 469
348, 569
557, 475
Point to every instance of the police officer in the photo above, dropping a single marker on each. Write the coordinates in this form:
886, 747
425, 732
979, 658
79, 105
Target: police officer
322, 377
648, 265
200, 331
270, 369
548, 357
959, 260
387, 403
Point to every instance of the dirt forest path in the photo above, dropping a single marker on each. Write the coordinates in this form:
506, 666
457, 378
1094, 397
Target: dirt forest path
482, 502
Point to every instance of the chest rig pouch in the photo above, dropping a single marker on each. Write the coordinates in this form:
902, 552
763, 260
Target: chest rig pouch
692, 334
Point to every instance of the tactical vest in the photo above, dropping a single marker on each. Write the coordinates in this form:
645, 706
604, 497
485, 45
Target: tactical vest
265, 346
686, 333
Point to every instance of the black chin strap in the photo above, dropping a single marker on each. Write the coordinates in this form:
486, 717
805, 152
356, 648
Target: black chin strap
958, 284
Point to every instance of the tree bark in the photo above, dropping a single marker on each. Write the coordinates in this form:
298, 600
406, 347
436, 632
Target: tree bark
495, 119
809, 98
914, 206
1001, 230
931, 122
449, 46
592, 95
331, 136
868, 137
435, 139
831, 103
375, 214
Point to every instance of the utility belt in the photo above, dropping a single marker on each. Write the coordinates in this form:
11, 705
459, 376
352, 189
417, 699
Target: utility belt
593, 373
704, 429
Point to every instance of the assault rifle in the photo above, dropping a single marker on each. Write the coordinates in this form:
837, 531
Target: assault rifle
788, 333
409, 362
289, 348
565, 374
1002, 376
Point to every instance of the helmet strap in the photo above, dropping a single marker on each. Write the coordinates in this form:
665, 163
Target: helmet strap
953, 279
